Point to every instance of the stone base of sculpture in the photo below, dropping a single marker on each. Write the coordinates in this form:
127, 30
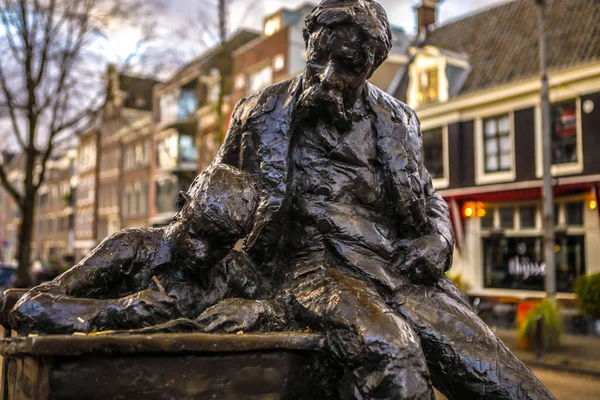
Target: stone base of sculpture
167, 366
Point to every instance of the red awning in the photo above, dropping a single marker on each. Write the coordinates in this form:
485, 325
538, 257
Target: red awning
523, 194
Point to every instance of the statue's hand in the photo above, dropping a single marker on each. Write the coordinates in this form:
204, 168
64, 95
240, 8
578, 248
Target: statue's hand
426, 258
231, 315
151, 304
145, 308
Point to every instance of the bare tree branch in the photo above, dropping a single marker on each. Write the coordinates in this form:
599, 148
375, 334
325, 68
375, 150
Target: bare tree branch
8, 22
11, 107
50, 83
8, 186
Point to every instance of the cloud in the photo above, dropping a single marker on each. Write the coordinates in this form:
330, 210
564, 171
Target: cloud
199, 17
250, 13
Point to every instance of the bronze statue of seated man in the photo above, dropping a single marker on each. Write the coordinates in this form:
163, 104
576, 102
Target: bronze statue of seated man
348, 228
348, 221
144, 277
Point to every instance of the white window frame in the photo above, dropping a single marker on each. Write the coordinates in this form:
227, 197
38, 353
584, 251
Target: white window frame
516, 230
558, 169
481, 176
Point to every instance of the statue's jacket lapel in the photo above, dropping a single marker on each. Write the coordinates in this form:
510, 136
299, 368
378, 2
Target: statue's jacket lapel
399, 152
265, 145
267, 120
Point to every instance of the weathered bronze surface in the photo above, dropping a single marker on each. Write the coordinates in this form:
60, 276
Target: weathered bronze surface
168, 367
344, 234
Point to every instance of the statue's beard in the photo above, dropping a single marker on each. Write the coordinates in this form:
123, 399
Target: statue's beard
321, 103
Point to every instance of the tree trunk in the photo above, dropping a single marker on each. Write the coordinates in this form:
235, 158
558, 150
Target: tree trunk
224, 71
24, 279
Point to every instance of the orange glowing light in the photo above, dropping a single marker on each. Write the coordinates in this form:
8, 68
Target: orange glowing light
481, 212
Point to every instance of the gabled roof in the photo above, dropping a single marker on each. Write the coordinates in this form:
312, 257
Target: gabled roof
502, 42
237, 39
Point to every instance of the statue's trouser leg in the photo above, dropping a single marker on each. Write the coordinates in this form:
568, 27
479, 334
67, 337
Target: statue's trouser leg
379, 350
466, 359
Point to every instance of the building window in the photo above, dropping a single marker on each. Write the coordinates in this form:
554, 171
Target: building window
188, 103
272, 25
134, 200
128, 158
187, 149
139, 154
574, 213
498, 149
213, 92
179, 104
487, 221
146, 153
278, 62
167, 106
428, 85
260, 80
564, 132
518, 262
507, 217
240, 81
86, 191
126, 196
166, 193
166, 151
433, 152
527, 216
43, 200
87, 157
209, 148
142, 206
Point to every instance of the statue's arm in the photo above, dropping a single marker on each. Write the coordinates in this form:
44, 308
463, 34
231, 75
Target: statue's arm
87, 295
430, 255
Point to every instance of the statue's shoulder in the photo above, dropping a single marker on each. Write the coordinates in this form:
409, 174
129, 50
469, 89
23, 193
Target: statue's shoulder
392, 108
136, 236
266, 100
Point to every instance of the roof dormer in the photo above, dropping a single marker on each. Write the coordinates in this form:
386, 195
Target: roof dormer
435, 75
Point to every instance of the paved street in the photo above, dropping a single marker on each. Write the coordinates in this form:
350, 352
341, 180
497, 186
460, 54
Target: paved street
566, 386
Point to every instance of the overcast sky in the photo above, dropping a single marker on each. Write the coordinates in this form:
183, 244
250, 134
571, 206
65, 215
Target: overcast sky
400, 12
178, 15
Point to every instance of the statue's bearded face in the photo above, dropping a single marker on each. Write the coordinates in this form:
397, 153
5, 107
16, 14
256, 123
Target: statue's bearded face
337, 67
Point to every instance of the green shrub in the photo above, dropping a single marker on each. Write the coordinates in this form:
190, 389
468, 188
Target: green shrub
459, 281
587, 289
549, 310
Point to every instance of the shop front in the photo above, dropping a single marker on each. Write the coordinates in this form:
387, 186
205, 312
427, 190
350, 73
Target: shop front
500, 250
500, 246
517, 263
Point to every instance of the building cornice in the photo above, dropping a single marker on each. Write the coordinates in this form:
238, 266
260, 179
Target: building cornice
501, 93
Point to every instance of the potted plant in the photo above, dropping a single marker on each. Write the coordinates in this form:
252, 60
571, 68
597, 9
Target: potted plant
459, 281
587, 289
549, 311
